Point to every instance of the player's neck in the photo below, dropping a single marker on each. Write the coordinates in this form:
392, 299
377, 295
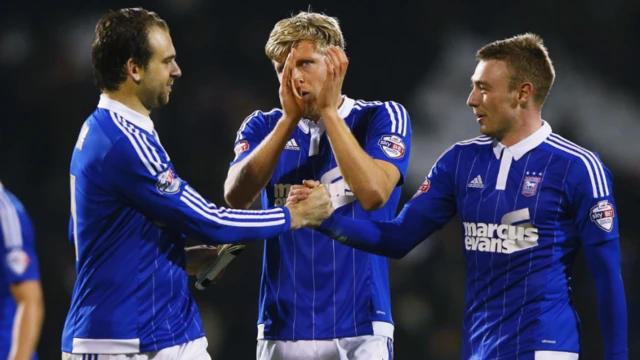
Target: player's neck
128, 99
525, 128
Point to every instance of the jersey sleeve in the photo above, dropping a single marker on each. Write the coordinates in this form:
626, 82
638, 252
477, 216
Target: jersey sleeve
251, 133
432, 206
590, 193
143, 178
389, 136
20, 262
589, 188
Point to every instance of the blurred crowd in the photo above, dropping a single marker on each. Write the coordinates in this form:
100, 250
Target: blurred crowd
418, 53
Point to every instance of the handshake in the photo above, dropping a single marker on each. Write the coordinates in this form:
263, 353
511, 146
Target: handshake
309, 204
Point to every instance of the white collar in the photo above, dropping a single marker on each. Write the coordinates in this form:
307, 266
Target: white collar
524, 146
1, 187
343, 111
134, 117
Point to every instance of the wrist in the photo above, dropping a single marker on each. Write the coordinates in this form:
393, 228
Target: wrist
329, 113
294, 216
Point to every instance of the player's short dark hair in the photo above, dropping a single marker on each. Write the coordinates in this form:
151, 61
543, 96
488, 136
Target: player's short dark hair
527, 60
122, 35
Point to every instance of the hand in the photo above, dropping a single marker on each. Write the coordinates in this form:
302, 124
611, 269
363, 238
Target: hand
337, 63
292, 103
300, 192
198, 256
311, 211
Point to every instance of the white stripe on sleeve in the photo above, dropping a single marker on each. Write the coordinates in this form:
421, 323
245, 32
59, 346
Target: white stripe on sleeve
134, 143
391, 116
595, 162
584, 160
10, 222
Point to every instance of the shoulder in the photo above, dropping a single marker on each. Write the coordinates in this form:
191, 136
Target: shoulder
136, 147
478, 143
586, 166
261, 118
14, 220
10, 204
469, 146
391, 108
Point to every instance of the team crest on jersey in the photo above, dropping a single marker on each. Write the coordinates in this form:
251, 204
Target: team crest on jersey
168, 182
530, 186
241, 147
602, 214
392, 146
18, 261
423, 188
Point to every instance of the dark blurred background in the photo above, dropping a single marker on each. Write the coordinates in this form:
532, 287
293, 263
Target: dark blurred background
418, 53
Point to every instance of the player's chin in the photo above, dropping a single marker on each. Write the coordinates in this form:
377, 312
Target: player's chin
163, 99
485, 130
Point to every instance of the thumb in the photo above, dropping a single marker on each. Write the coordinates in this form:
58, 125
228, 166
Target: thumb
311, 183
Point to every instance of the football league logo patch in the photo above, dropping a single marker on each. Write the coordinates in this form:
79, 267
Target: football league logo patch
530, 186
602, 215
392, 146
423, 188
18, 261
241, 147
168, 182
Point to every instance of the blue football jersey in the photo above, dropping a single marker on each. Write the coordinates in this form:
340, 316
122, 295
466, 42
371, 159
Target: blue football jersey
525, 210
312, 287
130, 216
19, 261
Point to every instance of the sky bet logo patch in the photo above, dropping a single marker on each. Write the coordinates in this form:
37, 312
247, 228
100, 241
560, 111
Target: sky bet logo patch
168, 182
18, 261
423, 188
240, 147
602, 214
392, 146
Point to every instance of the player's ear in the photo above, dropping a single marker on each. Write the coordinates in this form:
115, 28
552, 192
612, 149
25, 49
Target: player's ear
525, 93
134, 70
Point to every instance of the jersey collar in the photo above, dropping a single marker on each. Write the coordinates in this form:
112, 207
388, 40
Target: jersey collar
524, 146
343, 111
132, 116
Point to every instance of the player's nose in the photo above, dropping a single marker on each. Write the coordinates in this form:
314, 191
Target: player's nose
176, 71
296, 75
473, 100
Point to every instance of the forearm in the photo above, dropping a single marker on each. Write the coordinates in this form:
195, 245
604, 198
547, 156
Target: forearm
367, 180
247, 178
27, 326
603, 261
226, 226
386, 238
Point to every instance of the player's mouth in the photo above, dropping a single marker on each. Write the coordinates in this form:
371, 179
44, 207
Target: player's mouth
480, 117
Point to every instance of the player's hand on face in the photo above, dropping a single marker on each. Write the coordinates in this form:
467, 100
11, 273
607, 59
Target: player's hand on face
301, 192
337, 62
292, 103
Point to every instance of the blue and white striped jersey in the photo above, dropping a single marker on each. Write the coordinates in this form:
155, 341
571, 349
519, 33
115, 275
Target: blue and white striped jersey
526, 210
19, 261
130, 215
313, 287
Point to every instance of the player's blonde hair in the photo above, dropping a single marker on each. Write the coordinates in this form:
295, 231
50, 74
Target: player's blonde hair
527, 60
323, 30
